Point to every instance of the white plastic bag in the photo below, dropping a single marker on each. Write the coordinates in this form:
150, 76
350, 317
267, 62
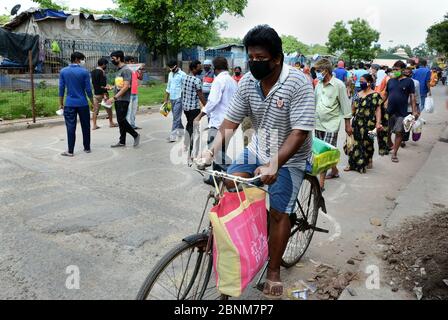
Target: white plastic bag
408, 123
429, 105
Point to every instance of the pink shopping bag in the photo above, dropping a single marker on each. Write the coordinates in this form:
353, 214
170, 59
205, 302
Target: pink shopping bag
240, 246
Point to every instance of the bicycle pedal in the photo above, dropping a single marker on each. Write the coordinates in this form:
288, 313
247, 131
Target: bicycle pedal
316, 229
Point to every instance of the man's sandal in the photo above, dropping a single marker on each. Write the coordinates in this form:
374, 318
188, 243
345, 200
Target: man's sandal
268, 290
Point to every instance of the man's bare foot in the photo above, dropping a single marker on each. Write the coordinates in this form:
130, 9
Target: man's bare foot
113, 125
96, 128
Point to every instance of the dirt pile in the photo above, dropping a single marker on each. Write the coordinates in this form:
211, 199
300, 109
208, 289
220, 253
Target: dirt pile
417, 257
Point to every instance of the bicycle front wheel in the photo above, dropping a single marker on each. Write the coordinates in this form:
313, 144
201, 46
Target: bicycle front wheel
182, 274
303, 222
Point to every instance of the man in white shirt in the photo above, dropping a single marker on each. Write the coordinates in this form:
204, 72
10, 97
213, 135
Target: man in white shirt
221, 94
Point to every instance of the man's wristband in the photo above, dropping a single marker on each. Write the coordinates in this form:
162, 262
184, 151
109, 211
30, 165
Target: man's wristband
211, 152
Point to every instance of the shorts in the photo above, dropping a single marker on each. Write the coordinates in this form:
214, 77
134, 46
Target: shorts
328, 137
396, 124
97, 99
284, 192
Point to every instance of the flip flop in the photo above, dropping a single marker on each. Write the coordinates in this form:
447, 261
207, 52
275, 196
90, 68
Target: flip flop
267, 291
332, 176
395, 159
114, 126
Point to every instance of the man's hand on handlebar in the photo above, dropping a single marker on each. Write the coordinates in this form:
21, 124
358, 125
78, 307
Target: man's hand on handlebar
268, 174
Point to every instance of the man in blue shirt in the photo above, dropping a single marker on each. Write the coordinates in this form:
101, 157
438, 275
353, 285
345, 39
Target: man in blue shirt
174, 94
340, 72
423, 75
76, 80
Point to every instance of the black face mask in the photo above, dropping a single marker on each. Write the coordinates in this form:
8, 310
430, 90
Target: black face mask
207, 69
260, 69
115, 62
237, 74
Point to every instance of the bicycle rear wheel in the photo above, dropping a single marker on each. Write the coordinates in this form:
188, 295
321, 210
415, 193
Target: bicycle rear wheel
182, 274
303, 221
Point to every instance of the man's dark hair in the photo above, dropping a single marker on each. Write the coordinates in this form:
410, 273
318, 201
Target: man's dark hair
128, 58
194, 64
239, 68
266, 37
172, 63
361, 65
220, 63
103, 62
77, 56
368, 77
118, 54
400, 64
423, 63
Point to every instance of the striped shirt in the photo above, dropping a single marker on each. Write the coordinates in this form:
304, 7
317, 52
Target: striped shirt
290, 105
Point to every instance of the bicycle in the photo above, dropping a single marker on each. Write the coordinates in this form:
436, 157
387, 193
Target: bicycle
174, 278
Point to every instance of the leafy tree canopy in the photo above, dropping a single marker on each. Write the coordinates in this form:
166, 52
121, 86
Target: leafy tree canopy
49, 4
168, 25
4, 19
437, 37
355, 41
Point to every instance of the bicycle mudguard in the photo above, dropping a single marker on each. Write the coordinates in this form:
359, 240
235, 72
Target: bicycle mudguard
196, 237
322, 204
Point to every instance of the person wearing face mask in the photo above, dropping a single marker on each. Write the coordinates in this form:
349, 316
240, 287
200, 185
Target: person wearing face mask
237, 74
331, 102
75, 81
122, 98
367, 117
279, 100
208, 78
100, 89
174, 94
398, 92
192, 96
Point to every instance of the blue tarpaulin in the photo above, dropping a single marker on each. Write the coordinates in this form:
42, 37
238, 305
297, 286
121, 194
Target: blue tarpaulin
49, 14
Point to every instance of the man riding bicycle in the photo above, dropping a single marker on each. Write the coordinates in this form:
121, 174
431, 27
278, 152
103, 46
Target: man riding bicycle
280, 102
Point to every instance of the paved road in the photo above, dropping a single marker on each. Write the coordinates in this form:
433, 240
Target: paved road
112, 212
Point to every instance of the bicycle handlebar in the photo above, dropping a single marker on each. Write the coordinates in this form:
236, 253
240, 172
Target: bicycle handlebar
247, 181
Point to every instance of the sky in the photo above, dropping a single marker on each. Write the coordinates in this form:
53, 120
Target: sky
399, 21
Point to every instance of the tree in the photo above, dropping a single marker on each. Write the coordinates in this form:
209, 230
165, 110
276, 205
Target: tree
422, 51
4, 19
437, 37
317, 48
49, 4
223, 40
169, 25
356, 43
292, 45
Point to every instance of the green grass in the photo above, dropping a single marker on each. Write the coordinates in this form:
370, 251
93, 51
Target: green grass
17, 105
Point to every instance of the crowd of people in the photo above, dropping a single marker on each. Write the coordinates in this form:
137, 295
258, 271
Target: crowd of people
75, 89
286, 105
